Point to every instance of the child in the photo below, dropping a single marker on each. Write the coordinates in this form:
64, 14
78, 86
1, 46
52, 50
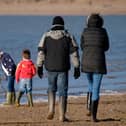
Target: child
9, 67
24, 73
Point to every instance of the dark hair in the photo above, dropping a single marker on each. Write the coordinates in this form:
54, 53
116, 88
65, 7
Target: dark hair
26, 54
95, 20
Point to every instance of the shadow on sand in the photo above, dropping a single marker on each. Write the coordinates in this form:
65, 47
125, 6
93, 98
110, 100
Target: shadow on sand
107, 120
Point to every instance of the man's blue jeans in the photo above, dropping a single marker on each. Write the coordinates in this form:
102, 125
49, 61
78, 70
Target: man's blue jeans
10, 85
94, 80
58, 81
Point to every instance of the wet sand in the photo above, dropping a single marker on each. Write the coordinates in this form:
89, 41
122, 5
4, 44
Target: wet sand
111, 112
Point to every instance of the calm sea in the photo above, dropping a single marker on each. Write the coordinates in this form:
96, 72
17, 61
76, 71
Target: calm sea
19, 32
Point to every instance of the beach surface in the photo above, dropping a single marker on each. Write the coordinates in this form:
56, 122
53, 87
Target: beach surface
111, 112
62, 7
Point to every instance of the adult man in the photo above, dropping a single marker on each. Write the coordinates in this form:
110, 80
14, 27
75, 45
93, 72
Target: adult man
54, 51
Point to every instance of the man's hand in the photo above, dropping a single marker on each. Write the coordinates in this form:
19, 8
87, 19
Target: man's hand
40, 72
76, 73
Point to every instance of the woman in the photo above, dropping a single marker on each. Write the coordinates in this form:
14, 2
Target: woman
94, 43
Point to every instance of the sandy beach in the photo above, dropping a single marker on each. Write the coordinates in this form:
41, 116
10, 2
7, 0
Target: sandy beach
112, 108
62, 7
112, 112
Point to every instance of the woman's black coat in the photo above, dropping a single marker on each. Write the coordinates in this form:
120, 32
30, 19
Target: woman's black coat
94, 43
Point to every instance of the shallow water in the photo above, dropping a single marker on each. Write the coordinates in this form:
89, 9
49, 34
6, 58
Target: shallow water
19, 32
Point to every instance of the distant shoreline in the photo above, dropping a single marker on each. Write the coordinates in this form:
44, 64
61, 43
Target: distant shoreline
80, 7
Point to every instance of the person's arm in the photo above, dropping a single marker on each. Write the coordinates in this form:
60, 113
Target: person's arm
106, 44
75, 57
17, 73
41, 56
82, 40
74, 52
33, 70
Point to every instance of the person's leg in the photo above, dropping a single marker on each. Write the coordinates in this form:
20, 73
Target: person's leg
10, 91
90, 81
52, 88
29, 91
11, 83
21, 92
13, 89
97, 78
63, 92
89, 93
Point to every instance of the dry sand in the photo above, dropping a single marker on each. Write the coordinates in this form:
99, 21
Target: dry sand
64, 7
111, 112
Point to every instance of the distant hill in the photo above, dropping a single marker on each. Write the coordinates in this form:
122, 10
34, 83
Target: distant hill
20, 1
65, 1
74, 7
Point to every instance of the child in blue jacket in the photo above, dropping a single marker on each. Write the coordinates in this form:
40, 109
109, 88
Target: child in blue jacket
9, 67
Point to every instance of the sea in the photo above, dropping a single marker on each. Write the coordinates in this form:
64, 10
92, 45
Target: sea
21, 32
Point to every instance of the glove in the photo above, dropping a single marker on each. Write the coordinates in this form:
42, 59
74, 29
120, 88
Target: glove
40, 72
76, 73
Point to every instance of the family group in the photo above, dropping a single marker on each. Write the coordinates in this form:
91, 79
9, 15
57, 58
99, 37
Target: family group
57, 50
